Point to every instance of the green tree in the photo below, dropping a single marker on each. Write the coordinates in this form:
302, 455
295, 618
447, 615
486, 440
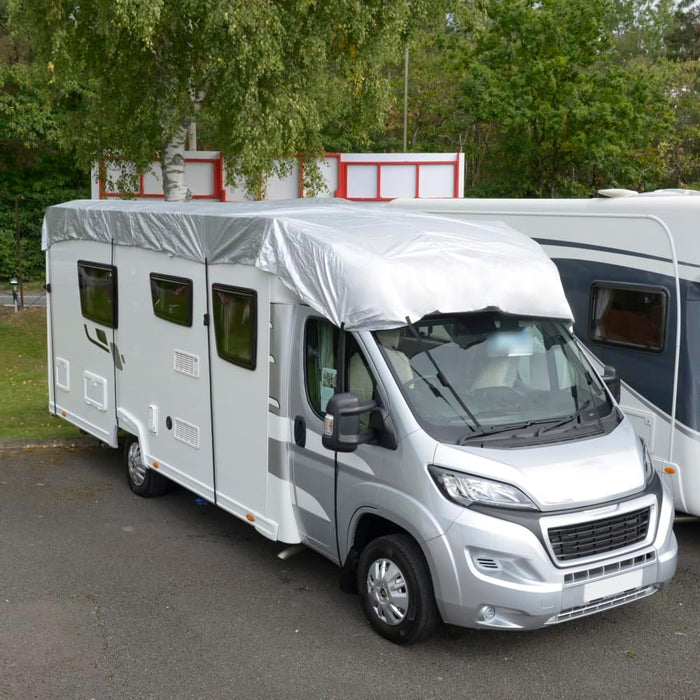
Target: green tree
262, 79
35, 172
542, 98
683, 39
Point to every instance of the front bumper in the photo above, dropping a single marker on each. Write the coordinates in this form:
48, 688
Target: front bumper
494, 573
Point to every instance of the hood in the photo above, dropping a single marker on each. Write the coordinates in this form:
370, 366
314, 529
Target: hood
564, 475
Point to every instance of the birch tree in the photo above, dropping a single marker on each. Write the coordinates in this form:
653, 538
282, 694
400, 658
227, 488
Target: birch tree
263, 78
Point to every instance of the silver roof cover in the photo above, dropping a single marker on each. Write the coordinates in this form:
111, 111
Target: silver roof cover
363, 265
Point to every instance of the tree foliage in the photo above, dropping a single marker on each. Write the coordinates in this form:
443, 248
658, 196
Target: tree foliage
35, 170
262, 79
560, 97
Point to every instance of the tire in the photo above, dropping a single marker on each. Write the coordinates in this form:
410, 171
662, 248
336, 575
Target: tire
142, 480
396, 589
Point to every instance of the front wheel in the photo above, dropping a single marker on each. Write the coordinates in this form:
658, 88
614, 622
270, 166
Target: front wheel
142, 480
396, 589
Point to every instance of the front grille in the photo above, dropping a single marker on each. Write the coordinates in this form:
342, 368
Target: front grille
603, 604
590, 539
616, 567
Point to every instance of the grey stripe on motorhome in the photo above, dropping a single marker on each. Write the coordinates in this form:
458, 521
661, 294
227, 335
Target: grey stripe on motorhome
605, 249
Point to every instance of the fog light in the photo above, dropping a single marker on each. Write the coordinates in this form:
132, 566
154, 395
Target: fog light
488, 612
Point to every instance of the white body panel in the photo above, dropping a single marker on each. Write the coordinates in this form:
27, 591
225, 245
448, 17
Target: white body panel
151, 378
82, 382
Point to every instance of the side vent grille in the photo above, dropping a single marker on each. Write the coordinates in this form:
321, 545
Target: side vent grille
62, 374
186, 363
186, 432
488, 564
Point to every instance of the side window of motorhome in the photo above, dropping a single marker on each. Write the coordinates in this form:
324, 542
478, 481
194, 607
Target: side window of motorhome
630, 316
98, 292
235, 324
172, 298
321, 370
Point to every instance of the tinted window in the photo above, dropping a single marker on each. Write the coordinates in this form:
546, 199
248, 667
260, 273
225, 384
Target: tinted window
235, 324
631, 316
321, 370
172, 298
98, 292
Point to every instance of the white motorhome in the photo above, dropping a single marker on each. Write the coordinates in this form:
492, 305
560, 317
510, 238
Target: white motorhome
400, 392
630, 266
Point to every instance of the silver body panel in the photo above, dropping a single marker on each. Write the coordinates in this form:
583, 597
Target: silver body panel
527, 587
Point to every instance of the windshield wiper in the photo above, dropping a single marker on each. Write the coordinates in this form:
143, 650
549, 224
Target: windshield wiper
441, 377
494, 430
504, 428
568, 419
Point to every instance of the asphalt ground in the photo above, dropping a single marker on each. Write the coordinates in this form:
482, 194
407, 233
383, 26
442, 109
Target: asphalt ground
107, 595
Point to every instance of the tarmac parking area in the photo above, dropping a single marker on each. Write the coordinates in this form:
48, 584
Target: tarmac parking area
107, 595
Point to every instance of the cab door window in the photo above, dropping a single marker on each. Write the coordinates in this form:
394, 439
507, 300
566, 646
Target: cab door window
321, 371
321, 348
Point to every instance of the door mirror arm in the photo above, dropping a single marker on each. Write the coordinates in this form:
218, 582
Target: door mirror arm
382, 428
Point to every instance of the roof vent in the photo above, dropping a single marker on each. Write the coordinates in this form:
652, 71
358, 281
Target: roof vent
617, 193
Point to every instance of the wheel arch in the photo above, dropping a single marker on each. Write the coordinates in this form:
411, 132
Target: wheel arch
368, 524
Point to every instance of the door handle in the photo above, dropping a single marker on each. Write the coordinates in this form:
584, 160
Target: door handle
300, 431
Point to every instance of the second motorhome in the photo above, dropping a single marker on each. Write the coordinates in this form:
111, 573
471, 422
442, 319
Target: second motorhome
400, 392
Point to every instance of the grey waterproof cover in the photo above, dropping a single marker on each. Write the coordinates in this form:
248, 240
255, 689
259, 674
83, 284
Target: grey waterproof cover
366, 266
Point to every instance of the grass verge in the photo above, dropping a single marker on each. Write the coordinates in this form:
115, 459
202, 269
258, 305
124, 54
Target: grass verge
24, 396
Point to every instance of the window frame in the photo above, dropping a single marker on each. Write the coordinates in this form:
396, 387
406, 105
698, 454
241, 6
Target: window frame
82, 264
159, 276
253, 295
628, 287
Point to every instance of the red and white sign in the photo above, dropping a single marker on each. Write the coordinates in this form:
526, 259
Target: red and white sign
366, 177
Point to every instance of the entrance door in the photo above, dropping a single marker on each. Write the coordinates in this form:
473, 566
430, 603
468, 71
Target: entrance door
163, 369
239, 327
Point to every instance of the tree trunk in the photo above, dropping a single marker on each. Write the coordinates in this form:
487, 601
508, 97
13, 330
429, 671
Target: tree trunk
172, 163
191, 142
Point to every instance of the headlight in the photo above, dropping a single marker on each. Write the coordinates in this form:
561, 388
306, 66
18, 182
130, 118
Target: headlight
465, 489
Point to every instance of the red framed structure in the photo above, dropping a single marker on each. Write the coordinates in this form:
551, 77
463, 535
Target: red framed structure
454, 162
349, 169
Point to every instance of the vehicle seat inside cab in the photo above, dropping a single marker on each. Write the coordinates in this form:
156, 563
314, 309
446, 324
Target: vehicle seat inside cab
359, 379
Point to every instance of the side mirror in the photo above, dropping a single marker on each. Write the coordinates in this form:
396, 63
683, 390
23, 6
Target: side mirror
612, 381
341, 429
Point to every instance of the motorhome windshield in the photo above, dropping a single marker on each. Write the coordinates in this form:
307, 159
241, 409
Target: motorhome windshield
492, 378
